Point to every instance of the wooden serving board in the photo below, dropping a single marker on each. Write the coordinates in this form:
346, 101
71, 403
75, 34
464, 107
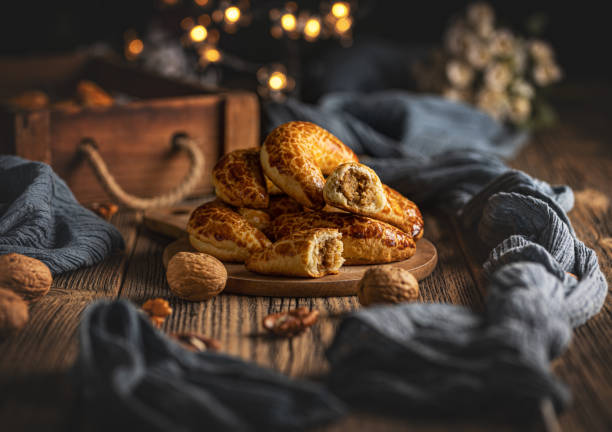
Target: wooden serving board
242, 281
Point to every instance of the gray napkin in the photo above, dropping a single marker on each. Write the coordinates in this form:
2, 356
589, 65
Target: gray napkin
40, 217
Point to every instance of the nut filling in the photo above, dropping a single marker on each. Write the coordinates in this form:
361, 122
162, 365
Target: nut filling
356, 188
329, 254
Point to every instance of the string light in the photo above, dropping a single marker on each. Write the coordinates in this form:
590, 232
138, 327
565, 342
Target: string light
277, 81
232, 14
201, 3
187, 23
312, 29
198, 33
288, 22
340, 9
135, 47
213, 55
343, 25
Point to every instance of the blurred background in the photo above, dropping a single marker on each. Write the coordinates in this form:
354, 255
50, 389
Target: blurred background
302, 49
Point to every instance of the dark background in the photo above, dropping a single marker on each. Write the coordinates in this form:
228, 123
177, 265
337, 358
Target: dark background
579, 32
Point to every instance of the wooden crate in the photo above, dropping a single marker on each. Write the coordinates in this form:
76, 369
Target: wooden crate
133, 137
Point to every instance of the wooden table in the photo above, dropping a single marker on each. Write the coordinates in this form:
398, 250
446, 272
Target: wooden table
35, 392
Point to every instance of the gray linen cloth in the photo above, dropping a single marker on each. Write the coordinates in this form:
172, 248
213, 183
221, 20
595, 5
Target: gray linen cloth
444, 358
40, 217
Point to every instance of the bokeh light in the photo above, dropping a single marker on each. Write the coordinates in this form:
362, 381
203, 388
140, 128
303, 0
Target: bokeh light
288, 22
198, 33
340, 9
277, 80
232, 14
343, 25
312, 28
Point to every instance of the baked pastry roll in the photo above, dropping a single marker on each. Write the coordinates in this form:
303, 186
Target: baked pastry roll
295, 156
365, 240
221, 232
357, 189
260, 219
239, 181
312, 253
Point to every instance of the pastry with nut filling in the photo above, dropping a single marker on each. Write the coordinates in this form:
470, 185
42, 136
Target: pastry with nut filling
313, 253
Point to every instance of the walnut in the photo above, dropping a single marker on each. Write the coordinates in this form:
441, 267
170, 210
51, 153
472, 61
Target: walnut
29, 278
196, 342
104, 210
13, 311
196, 276
387, 285
158, 309
292, 322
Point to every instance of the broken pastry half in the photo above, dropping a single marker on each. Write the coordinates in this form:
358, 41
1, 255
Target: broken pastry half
356, 188
311, 253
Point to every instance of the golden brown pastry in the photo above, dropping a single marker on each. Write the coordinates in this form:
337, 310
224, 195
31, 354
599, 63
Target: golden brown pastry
272, 188
312, 253
356, 188
402, 213
366, 240
295, 156
282, 204
223, 233
239, 181
260, 219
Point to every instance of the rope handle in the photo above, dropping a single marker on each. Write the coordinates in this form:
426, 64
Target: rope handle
89, 149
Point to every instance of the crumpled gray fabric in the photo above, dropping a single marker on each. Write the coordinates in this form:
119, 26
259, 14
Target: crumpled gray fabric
445, 359
399, 124
40, 217
130, 376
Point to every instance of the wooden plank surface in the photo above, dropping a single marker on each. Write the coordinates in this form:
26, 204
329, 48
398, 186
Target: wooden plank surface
33, 362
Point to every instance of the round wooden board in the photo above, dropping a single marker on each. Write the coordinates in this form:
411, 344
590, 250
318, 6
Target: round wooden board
242, 281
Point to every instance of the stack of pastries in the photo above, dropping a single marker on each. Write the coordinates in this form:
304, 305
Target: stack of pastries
303, 205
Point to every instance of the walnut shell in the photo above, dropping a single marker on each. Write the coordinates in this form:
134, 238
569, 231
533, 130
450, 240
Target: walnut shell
27, 277
196, 276
387, 285
13, 311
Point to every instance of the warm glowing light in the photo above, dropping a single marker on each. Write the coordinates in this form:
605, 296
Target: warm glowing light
170, 2
198, 33
343, 25
232, 14
288, 22
201, 2
187, 23
135, 47
212, 55
277, 81
340, 9
312, 28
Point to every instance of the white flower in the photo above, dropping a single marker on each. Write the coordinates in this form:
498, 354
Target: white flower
518, 57
497, 77
481, 17
456, 95
494, 103
459, 74
546, 73
541, 51
502, 43
455, 38
522, 88
477, 53
520, 109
